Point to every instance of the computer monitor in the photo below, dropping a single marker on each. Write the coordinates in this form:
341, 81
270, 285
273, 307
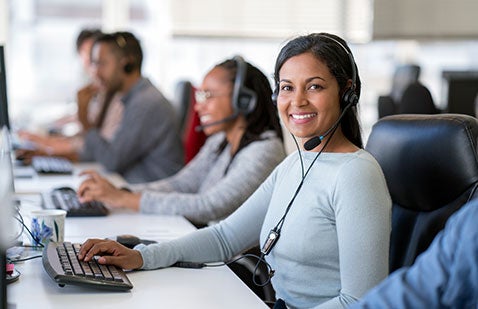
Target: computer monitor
461, 91
3, 279
6, 209
4, 118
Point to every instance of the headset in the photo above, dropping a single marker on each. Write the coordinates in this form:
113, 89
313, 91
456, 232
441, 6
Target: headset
121, 42
349, 97
244, 100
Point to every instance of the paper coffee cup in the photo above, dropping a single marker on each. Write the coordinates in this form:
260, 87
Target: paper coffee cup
47, 225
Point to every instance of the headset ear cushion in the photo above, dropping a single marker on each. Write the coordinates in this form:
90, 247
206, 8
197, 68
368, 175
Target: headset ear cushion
274, 96
246, 101
350, 97
128, 67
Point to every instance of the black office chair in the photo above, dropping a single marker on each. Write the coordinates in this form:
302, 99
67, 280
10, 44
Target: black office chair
476, 105
183, 96
431, 167
403, 76
417, 99
193, 139
245, 269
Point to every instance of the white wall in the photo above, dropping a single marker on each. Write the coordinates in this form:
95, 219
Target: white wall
3, 21
43, 71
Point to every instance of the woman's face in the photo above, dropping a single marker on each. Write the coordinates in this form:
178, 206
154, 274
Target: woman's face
213, 101
308, 99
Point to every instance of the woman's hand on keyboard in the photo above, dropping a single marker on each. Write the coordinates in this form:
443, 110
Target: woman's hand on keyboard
111, 253
97, 188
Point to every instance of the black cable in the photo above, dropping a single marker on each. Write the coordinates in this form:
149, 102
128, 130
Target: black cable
24, 259
17, 213
24, 227
270, 273
279, 224
256, 267
300, 157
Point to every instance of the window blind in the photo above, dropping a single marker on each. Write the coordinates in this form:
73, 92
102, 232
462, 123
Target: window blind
425, 19
271, 18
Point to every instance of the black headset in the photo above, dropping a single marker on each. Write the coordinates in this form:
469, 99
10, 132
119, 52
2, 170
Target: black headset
349, 97
121, 42
244, 100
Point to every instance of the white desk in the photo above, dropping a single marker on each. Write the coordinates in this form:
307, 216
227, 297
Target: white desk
216, 287
27, 181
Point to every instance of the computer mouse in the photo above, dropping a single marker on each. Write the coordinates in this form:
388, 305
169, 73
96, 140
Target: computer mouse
64, 188
130, 240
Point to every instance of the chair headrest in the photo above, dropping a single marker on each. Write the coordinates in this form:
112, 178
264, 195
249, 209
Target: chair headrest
417, 99
427, 160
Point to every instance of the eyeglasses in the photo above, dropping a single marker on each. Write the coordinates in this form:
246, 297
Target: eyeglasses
202, 96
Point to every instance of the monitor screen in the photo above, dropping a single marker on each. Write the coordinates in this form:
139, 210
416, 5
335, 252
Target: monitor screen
461, 91
6, 208
3, 279
4, 119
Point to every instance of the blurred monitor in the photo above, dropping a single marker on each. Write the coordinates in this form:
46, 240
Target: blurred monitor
403, 76
3, 279
6, 209
460, 91
4, 119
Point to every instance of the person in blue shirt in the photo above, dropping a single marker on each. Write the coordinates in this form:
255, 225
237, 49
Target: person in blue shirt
444, 276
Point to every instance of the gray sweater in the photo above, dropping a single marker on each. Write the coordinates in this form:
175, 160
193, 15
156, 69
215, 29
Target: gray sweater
203, 191
147, 145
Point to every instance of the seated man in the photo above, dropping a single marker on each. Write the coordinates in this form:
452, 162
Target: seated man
146, 145
95, 108
444, 276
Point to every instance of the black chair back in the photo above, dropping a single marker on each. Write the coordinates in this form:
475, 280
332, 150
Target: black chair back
182, 100
403, 76
431, 167
417, 99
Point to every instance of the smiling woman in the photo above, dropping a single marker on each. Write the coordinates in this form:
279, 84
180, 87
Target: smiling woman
308, 99
323, 222
214, 104
317, 103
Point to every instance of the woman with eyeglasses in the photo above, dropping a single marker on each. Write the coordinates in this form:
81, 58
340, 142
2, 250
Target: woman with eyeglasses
244, 145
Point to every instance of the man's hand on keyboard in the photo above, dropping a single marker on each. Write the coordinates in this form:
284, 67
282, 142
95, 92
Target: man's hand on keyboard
111, 253
50, 145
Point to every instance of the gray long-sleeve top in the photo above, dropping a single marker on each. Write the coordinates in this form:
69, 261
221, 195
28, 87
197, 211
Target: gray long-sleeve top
334, 243
147, 145
203, 191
